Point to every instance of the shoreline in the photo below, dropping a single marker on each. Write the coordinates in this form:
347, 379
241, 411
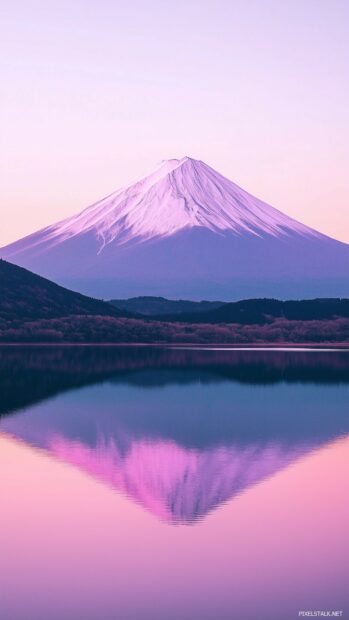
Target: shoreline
326, 346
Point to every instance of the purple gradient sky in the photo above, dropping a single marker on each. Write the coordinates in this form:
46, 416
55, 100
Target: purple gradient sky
94, 94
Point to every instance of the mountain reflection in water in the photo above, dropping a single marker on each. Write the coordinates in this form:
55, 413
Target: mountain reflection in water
180, 432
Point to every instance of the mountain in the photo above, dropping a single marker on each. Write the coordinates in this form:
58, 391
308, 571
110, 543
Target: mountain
185, 231
244, 312
261, 311
158, 306
26, 296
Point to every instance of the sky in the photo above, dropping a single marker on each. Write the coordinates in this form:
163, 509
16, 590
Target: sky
94, 94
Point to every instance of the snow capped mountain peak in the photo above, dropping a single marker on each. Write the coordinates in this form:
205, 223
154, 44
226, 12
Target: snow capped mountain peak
184, 230
180, 194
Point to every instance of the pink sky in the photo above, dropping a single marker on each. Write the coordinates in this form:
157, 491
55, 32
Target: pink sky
95, 94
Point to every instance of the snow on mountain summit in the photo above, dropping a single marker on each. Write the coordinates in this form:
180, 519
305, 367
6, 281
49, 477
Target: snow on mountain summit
179, 194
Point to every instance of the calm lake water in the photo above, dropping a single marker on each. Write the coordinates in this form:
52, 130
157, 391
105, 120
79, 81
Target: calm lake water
156, 484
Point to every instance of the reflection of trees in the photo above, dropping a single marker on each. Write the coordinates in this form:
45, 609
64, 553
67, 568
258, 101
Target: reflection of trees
29, 374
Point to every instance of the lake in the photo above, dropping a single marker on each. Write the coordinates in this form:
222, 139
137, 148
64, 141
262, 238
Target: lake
143, 483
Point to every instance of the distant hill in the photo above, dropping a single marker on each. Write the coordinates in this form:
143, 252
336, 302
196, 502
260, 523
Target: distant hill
150, 306
245, 312
25, 296
261, 311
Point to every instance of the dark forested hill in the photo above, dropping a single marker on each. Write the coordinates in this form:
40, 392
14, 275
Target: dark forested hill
260, 311
150, 306
245, 312
26, 296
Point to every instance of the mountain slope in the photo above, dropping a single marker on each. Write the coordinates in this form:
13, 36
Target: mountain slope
26, 296
186, 231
